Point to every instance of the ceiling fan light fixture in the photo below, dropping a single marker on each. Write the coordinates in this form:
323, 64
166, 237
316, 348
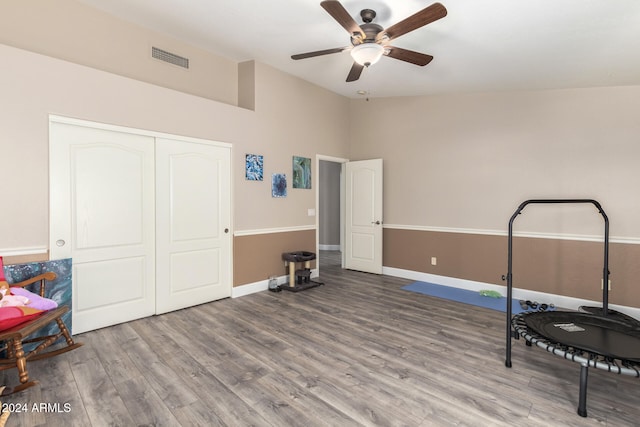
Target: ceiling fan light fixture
367, 53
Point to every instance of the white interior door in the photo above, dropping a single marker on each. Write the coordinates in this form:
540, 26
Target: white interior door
102, 216
363, 216
193, 264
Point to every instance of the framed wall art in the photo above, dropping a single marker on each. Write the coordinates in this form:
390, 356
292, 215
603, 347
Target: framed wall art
254, 167
278, 185
301, 172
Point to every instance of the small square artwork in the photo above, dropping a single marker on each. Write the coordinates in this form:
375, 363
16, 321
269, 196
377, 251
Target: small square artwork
301, 172
278, 185
254, 167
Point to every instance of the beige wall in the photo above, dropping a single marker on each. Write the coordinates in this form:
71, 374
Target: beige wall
283, 125
287, 124
118, 83
279, 128
456, 163
463, 163
72, 31
35, 86
467, 161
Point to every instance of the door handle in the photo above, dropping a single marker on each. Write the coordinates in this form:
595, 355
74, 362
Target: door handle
60, 242
226, 230
376, 222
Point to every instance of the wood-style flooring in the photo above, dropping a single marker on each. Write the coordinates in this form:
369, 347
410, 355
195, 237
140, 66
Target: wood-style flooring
358, 351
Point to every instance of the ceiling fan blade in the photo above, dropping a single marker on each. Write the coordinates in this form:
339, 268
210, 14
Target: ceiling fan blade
340, 14
354, 73
411, 56
425, 16
319, 53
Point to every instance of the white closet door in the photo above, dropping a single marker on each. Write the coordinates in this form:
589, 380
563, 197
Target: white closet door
193, 214
102, 215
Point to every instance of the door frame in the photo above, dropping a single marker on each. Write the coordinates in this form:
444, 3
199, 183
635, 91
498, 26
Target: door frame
342, 161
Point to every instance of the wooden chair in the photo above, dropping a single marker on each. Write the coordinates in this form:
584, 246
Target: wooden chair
14, 338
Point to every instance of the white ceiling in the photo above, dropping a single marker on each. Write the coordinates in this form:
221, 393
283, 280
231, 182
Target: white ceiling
481, 45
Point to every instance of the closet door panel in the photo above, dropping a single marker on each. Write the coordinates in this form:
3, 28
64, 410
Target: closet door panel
103, 217
193, 224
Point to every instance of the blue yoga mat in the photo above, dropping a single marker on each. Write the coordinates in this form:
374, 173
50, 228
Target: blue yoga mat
464, 296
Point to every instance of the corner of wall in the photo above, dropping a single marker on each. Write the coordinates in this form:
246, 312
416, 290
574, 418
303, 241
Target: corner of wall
247, 85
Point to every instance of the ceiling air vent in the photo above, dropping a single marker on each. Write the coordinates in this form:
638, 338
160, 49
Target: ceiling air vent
169, 57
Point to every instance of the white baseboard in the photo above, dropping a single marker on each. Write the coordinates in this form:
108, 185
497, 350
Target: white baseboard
525, 294
263, 285
329, 247
251, 288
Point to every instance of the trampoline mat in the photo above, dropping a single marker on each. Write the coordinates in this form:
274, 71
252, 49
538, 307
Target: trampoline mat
584, 331
613, 314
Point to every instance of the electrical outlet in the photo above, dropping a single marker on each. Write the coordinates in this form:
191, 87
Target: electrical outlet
602, 281
434, 260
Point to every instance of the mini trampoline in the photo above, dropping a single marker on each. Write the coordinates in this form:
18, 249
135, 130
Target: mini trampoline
593, 337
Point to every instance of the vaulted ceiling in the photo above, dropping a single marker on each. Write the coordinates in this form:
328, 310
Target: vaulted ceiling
481, 45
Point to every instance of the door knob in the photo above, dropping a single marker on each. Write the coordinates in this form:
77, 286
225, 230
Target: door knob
60, 242
375, 222
226, 230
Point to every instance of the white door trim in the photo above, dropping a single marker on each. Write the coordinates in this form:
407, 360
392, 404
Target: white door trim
317, 179
116, 128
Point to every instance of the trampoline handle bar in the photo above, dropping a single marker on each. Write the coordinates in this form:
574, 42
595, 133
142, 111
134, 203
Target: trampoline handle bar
509, 276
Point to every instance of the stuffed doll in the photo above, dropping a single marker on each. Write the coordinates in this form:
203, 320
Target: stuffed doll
9, 300
19, 297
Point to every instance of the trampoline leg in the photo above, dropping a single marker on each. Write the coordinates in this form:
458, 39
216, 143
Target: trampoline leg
582, 402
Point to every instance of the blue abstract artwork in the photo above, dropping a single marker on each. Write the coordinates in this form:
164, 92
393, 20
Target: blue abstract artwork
278, 185
301, 172
58, 290
254, 167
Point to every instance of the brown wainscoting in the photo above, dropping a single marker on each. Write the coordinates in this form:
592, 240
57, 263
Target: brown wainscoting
563, 267
258, 256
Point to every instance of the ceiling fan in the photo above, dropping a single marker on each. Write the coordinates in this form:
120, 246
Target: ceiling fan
369, 41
